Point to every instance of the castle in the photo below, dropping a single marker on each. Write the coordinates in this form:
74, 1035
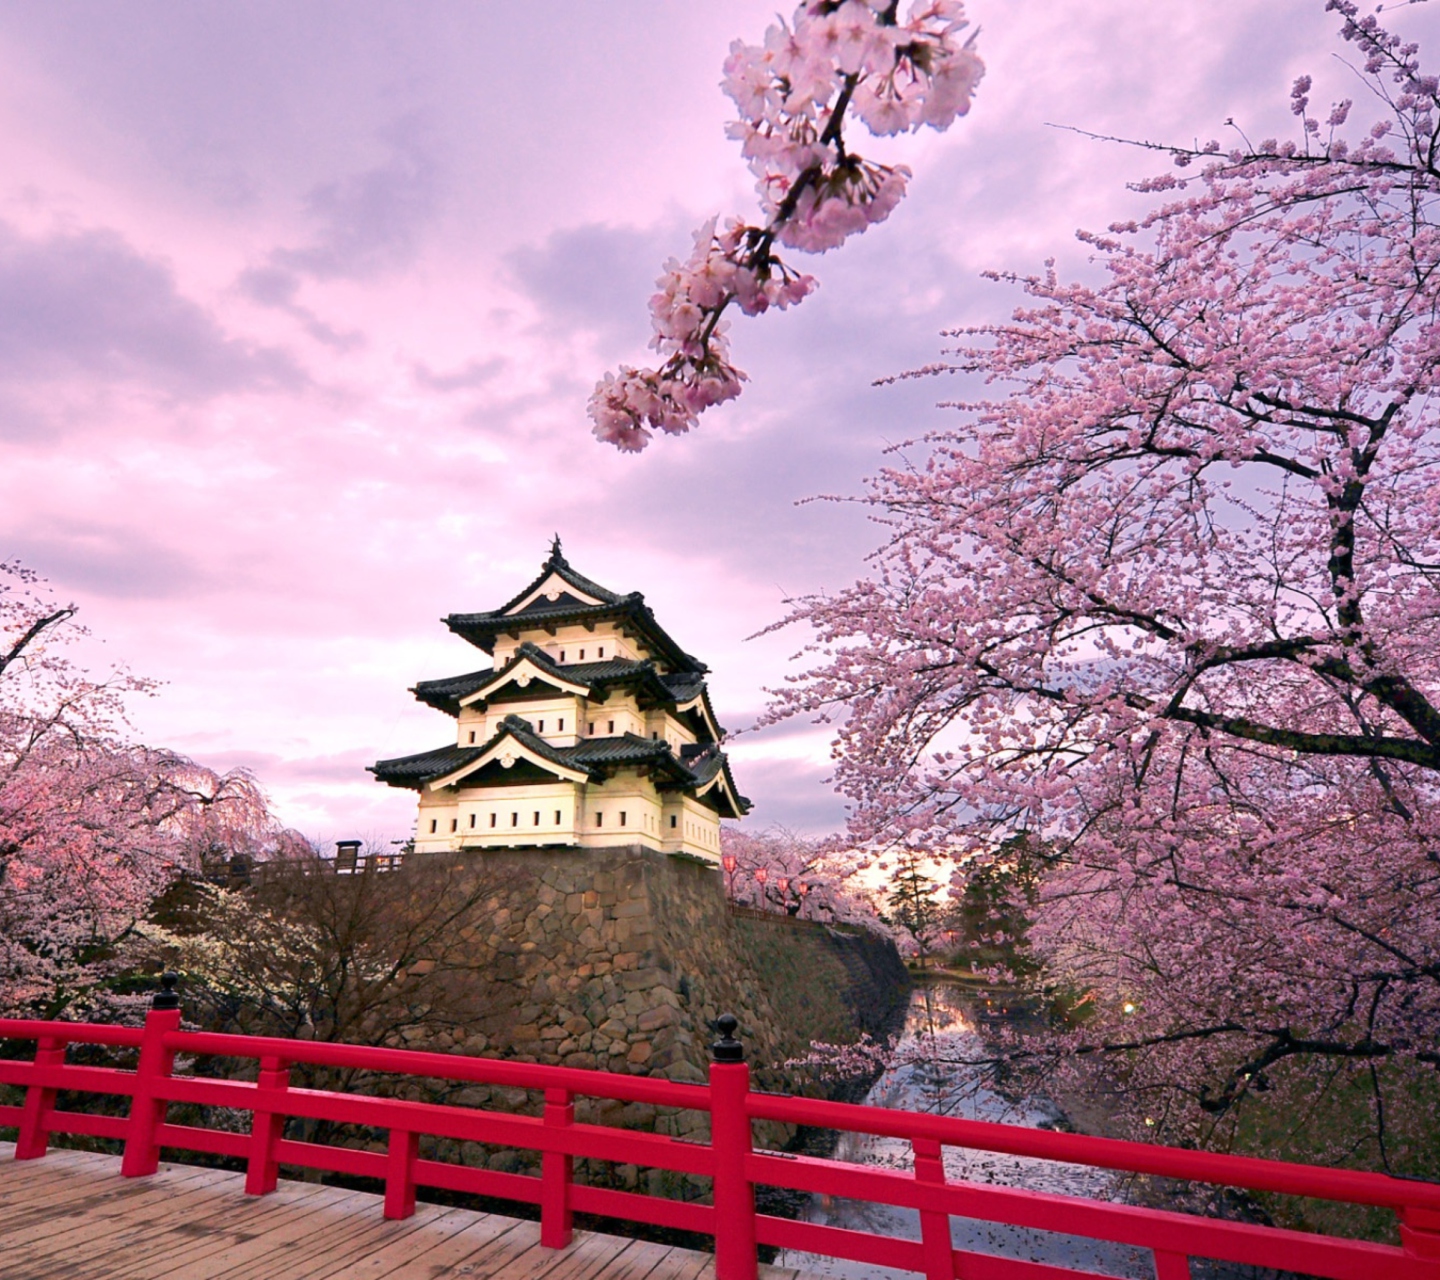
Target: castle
592, 729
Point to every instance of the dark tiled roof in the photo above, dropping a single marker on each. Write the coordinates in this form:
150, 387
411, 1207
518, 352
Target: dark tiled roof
480, 629
557, 564
445, 694
684, 685
411, 771
590, 755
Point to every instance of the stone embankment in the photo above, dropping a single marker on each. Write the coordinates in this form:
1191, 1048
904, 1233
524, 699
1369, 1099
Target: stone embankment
622, 960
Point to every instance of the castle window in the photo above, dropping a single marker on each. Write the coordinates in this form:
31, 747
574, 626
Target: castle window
673, 821
536, 821
542, 726
562, 655
622, 817
514, 819
472, 819
560, 725
601, 651
493, 817
433, 824
653, 735
582, 655
599, 819
557, 817
472, 735
591, 728
454, 824
612, 727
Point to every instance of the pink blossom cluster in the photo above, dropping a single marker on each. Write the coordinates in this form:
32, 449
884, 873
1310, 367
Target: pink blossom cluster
793, 93
92, 827
1168, 598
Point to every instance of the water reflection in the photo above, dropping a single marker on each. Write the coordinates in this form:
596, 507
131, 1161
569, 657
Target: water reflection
944, 1013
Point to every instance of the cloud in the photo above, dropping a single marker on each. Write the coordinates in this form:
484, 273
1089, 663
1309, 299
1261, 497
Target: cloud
472, 374
370, 222
87, 303
106, 561
576, 275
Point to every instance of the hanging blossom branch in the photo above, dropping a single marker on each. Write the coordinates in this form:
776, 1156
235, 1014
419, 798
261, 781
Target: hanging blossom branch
794, 94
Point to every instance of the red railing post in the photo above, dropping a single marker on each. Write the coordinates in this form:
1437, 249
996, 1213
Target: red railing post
731, 1142
400, 1173
267, 1122
557, 1171
1420, 1232
1171, 1266
147, 1111
39, 1099
935, 1244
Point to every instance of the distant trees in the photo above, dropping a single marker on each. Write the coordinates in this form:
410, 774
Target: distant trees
92, 825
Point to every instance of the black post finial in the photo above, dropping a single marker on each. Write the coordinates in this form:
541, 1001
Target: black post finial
166, 997
555, 549
727, 1048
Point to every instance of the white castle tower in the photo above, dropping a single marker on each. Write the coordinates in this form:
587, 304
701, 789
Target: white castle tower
592, 729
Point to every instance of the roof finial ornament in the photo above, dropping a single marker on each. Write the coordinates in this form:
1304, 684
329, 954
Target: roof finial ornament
555, 556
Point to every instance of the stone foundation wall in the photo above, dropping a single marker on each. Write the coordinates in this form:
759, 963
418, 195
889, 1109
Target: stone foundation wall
622, 959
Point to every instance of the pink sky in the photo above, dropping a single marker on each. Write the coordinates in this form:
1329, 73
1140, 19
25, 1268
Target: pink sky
300, 305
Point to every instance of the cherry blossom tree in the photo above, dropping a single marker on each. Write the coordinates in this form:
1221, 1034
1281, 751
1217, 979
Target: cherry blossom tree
92, 826
835, 60
1168, 598
779, 871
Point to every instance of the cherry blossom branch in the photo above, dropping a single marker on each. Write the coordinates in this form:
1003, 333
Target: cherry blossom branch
794, 93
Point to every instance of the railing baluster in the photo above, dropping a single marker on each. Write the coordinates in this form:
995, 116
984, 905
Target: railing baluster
939, 1252
1171, 1266
730, 1139
557, 1171
147, 1111
1420, 1232
267, 1123
400, 1173
39, 1099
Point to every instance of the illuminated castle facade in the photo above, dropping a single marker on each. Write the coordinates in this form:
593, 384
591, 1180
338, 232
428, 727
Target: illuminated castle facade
591, 729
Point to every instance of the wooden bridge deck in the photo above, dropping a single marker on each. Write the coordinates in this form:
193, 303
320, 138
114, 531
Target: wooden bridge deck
72, 1215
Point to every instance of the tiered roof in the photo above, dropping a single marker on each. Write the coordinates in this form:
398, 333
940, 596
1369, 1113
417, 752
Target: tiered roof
585, 602
701, 768
671, 680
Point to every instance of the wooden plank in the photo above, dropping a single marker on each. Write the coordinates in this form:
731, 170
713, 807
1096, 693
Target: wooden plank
76, 1219
480, 1232
394, 1254
253, 1227
101, 1209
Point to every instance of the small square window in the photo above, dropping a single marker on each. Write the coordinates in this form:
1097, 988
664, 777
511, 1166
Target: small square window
562, 655
654, 737
514, 819
672, 822
542, 726
454, 824
601, 651
472, 819
434, 823
599, 819
591, 728
622, 817
560, 725
582, 655
557, 817
536, 821
493, 817
472, 735
612, 727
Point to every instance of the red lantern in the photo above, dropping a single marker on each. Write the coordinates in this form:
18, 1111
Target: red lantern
762, 875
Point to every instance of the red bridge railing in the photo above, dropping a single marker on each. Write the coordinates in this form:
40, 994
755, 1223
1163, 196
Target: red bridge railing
729, 1159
